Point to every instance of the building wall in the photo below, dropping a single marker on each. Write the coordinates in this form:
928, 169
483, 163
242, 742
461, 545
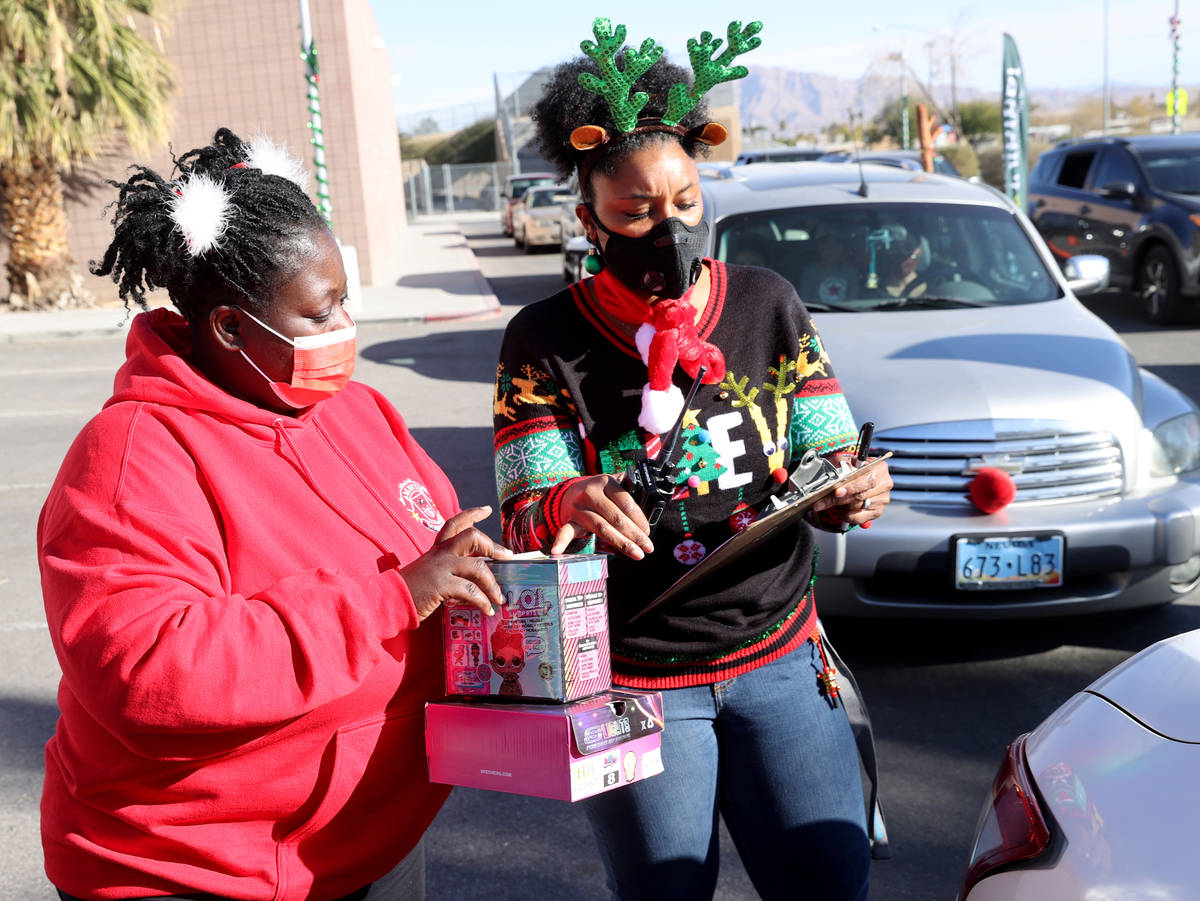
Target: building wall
238, 65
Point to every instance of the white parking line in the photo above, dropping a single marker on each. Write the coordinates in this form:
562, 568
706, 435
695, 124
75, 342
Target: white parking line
24, 627
73, 370
31, 414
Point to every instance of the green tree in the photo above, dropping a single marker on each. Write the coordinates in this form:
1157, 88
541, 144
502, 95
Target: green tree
888, 123
72, 72
980, 119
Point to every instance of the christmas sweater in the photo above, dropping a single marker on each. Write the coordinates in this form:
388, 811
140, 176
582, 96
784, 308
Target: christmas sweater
567, 396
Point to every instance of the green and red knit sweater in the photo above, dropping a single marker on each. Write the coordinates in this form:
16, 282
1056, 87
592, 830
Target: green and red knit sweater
566, 403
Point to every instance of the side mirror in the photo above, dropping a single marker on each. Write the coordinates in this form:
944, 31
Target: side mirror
1119, 190
1087, 274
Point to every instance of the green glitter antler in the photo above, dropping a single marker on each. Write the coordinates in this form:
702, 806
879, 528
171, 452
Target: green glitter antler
615, 84
710, 72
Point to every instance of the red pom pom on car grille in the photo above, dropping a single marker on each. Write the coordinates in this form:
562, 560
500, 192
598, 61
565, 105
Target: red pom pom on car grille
992, 489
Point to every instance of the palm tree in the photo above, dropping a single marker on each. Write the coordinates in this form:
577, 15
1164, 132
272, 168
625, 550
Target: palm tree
72, 72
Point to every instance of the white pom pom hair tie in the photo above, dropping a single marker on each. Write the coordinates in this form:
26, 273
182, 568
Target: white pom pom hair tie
273, 159
200, 210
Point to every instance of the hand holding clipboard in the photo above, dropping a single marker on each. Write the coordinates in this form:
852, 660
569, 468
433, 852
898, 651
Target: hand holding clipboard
813, 480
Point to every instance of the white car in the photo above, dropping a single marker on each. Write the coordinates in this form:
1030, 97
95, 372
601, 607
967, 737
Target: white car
951, 327
535, 218
1098, 802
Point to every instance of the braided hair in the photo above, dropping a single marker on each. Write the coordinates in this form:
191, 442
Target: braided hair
267, 235
565, 105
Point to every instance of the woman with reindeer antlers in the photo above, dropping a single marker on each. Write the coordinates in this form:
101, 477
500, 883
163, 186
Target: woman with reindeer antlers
236, 558
592, 379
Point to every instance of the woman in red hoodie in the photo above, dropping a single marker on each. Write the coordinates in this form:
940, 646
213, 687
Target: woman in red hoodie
236, 559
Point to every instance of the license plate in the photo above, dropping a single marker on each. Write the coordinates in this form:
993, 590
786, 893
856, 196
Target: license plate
1008, 562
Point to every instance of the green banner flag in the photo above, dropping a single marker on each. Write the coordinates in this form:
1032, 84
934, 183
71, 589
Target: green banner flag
1014, 110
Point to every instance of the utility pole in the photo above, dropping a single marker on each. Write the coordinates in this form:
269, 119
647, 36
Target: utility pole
1104, 102
1176, 112
903, 107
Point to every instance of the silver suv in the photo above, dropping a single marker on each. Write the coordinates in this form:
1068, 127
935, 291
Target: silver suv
951, 327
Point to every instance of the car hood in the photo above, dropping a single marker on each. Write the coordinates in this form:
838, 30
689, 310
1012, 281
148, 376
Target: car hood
1183, 201
1050, 361
1159, 686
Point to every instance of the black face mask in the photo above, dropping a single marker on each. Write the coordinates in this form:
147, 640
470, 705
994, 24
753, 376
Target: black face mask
664, 262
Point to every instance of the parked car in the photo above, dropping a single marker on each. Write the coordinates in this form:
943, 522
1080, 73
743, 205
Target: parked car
536, 217
1099, 800
575, 245
952, 329
1134, 200
778, 155
901, 159
515, 187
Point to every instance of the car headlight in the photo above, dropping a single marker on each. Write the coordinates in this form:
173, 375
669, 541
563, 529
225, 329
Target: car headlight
1176, 446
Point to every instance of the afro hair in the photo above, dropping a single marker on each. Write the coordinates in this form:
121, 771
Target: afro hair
565, 105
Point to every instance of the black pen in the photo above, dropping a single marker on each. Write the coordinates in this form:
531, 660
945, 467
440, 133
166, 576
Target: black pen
864, 442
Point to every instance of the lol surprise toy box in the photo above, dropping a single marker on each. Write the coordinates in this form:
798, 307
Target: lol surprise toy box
549, 640
561, 751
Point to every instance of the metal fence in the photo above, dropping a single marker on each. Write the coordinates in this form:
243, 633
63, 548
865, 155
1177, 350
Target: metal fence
455, 188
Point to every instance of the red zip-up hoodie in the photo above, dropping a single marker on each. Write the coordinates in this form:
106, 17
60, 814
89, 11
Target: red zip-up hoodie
243, 676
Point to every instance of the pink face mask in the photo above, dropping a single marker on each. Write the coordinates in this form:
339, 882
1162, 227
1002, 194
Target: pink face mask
321, 365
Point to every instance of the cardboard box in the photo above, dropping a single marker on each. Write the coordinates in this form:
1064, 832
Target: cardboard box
561, 751
549, 641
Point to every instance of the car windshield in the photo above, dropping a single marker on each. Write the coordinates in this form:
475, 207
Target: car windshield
884, 256
544, 198
1176, 169
519, 186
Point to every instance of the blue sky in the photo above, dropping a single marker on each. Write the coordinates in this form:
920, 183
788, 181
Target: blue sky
445, 53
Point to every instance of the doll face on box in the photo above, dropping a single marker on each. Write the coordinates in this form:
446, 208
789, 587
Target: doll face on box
508, 651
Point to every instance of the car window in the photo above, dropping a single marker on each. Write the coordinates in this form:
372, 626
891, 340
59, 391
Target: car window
942, 166
1043, 169
868, 256
543, 198
519, 186
1075, 169
1174, 169
1116, 165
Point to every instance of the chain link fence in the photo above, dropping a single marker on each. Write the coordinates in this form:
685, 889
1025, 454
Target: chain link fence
468, 187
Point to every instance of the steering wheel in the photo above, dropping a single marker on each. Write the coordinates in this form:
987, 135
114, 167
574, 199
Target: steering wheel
942, 272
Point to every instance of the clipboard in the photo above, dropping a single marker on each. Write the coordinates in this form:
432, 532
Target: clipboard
754, 535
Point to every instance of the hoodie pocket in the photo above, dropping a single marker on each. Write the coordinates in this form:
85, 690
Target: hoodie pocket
349, 756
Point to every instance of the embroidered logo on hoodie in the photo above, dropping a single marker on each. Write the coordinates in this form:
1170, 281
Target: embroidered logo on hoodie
416, 500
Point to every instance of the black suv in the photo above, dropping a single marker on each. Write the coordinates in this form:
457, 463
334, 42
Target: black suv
1134, 200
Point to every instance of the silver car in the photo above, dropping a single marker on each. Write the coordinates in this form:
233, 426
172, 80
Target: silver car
951, 328
1099, 800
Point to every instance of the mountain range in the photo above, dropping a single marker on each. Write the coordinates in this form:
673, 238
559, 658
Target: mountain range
808, 102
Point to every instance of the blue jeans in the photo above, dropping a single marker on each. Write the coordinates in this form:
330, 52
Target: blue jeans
766, 752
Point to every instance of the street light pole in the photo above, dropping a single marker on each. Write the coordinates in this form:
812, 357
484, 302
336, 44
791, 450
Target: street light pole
1176, 113
1105, 100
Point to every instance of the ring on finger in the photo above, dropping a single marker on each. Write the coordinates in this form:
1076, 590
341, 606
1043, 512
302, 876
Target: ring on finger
866, 503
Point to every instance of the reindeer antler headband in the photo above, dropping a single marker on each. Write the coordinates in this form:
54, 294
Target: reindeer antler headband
615, 83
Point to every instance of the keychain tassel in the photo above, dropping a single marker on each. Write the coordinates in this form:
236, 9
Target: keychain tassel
828, 678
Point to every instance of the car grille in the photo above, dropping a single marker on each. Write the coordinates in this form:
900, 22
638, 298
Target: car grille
934, 464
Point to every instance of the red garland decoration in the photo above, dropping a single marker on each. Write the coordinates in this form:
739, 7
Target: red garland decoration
992, 489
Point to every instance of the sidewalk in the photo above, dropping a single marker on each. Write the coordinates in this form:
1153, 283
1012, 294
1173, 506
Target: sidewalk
440, 280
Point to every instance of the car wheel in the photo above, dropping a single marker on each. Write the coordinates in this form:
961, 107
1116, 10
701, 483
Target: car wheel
517, 239
529, 248
1158, 286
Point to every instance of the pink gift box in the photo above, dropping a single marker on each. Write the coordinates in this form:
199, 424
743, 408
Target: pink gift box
560, 751
548, 641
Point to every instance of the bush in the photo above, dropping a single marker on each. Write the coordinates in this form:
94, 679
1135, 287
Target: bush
962, 157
